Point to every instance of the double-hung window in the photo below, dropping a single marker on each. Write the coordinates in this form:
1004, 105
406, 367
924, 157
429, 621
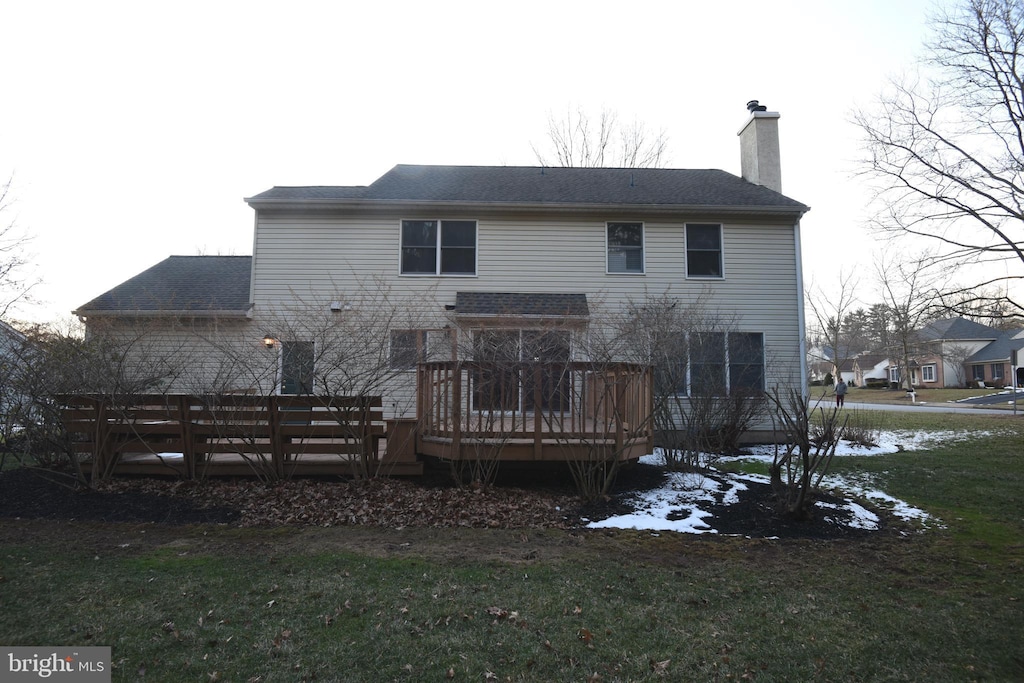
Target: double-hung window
927, 373
723, 363
978, 373
409, 347
704, 250
438, 247
626, 248
746, 362
707, 363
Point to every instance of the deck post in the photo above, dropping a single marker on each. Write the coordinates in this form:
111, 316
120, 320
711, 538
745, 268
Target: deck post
456, 369
188, 446
99, 445
276, 443
538, 433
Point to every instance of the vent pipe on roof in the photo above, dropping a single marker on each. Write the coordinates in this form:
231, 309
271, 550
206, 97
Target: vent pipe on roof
759, 147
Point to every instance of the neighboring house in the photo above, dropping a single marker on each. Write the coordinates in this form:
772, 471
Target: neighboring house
943, 349
956, 352
847, 372
461, 261
993, 366
870, 369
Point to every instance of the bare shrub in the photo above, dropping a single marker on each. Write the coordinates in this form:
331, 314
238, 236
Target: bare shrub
803, 452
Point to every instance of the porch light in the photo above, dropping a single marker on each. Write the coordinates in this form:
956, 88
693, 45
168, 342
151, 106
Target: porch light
269, 341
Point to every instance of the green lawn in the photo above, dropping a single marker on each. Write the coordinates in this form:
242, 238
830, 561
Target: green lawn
209, 604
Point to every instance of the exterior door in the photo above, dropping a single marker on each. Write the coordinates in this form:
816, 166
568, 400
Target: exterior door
515, 360
296, 367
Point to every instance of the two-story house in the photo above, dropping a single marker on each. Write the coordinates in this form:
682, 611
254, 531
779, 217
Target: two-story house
447, 263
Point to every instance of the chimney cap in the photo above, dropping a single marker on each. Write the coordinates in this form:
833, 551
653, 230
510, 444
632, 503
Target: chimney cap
754, 105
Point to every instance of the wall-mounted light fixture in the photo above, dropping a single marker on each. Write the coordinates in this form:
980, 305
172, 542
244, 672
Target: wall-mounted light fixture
269, 341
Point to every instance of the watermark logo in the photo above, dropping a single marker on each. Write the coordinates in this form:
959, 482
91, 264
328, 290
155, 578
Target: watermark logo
77, 664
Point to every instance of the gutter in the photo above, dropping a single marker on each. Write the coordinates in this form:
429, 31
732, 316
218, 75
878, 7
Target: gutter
384, 205
185, 313
802, 322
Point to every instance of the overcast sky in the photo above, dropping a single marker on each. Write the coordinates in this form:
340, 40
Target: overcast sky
135, 129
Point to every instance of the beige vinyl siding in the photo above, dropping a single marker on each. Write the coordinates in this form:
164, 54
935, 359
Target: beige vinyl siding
314, 259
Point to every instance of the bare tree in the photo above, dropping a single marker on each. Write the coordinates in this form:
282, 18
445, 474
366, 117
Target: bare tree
832, 312
112, 367
364, 344
15, 283
908, 290
947, 151
954, 357
581, 140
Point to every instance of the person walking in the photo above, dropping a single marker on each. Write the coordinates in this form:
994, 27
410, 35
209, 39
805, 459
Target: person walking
840, 392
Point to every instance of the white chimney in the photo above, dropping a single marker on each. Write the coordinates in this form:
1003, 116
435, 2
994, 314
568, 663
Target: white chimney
759, 148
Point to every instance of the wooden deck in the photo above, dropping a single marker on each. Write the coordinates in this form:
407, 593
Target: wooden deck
534, 411
269, 436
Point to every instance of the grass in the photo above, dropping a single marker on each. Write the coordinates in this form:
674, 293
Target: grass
257, 605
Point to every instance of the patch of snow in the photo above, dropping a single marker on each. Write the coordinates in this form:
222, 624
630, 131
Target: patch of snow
683, 502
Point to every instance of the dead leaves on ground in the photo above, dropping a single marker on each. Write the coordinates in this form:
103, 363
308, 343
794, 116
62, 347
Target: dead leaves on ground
376, 502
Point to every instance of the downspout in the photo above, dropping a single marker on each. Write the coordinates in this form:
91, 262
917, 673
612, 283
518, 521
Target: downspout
804, 391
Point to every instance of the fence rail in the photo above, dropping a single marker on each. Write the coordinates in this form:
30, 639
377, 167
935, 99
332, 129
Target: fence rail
197, 435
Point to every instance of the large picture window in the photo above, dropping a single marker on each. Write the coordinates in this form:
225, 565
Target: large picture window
626, 248
704, 250
438, 247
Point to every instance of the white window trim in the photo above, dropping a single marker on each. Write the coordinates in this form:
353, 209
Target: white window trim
437, 257
643, 250
927, 370
721, 251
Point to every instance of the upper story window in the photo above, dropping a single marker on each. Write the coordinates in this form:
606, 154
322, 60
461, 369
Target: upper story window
626, 248
704, 250
437, 247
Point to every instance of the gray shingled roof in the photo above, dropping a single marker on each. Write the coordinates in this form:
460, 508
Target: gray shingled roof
999, 350
532, 185
957, 328
194, 284
520, 304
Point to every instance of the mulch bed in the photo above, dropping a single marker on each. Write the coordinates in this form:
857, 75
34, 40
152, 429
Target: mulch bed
392, 503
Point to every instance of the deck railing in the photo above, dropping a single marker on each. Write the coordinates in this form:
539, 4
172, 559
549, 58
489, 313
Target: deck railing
270, 433
546, 402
